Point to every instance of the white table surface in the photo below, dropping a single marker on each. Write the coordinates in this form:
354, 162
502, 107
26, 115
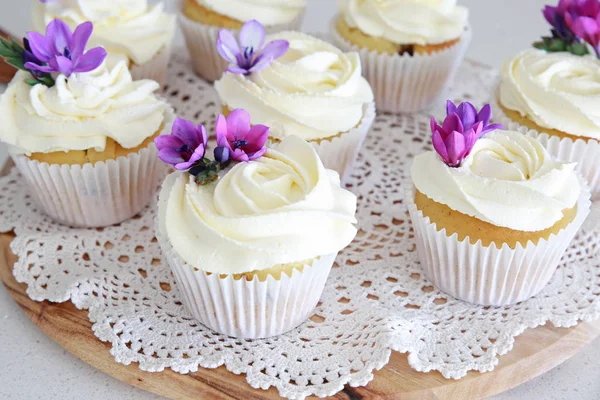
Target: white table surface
35, 367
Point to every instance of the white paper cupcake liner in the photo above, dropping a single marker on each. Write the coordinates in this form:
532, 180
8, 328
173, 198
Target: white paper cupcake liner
585, 154
339, 153
201, 43
99, 194
241, 308
405, 83
488, 275
156, 69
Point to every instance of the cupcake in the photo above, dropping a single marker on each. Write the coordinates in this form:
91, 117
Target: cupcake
410, 50
202, 19
252, 235
82, 134
132, 30
492, 215
299, 85
552, 92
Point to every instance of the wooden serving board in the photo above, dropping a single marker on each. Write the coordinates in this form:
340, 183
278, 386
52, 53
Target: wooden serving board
535, 352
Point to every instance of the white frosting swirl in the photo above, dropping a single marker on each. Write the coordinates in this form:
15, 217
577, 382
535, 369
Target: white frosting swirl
129, 27
285, 207
407, 21
80, 112
314, 91
267, 12
508, 180
555, 90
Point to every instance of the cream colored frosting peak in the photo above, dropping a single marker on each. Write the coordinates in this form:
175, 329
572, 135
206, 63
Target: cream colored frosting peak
314, 91
407, 21
508, 180
284, 207
555, 90
129, 27
267, 12
80, 112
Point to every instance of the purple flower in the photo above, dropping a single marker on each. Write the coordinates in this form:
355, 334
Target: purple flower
249, 55
62, 50
468, 115
462, 127
585, 23
185, 145
237, 140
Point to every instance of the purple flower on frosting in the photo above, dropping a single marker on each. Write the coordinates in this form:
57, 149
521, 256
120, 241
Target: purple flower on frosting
249, 55
462, 127
62, 50
237, 140
185, 145
468, 115
583, 19
572, 21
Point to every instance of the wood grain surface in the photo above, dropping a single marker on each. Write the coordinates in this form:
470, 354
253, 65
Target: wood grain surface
535, 352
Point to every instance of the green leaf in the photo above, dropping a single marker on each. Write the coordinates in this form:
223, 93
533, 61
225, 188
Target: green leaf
557, 45
578, 49
539, 45
17, 47
32, 82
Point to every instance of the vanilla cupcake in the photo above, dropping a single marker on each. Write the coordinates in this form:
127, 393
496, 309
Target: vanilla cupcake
314, 91
492, 220
132, 30
410, 50
202, 19
555, 97
251, 251
84, 144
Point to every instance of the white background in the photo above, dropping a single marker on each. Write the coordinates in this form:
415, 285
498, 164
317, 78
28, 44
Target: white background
34, 367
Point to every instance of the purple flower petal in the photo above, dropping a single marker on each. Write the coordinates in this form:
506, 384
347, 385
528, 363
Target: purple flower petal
450, 107
170, 155
227, 46
239, 155
452, 123
62, 64
252, 35
439, 145
186, 131
197, 155
467, 114
164, 141
493, 127
221, 131
257, 154
257, 138
455, 146
549, 13
238, 124
40, 47
59, 35
91, 60
485, 114
42, 68
79, 41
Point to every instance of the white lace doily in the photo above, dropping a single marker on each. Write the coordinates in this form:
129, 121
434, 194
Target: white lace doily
375, 301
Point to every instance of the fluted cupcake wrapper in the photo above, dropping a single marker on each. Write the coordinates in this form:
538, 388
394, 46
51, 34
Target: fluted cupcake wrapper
339, 153
156, 69
99, 194
241, 308
488, 275
405, 83
201, 43
585, 154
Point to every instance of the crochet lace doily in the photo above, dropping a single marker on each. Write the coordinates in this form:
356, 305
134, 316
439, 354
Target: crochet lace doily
376, 300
